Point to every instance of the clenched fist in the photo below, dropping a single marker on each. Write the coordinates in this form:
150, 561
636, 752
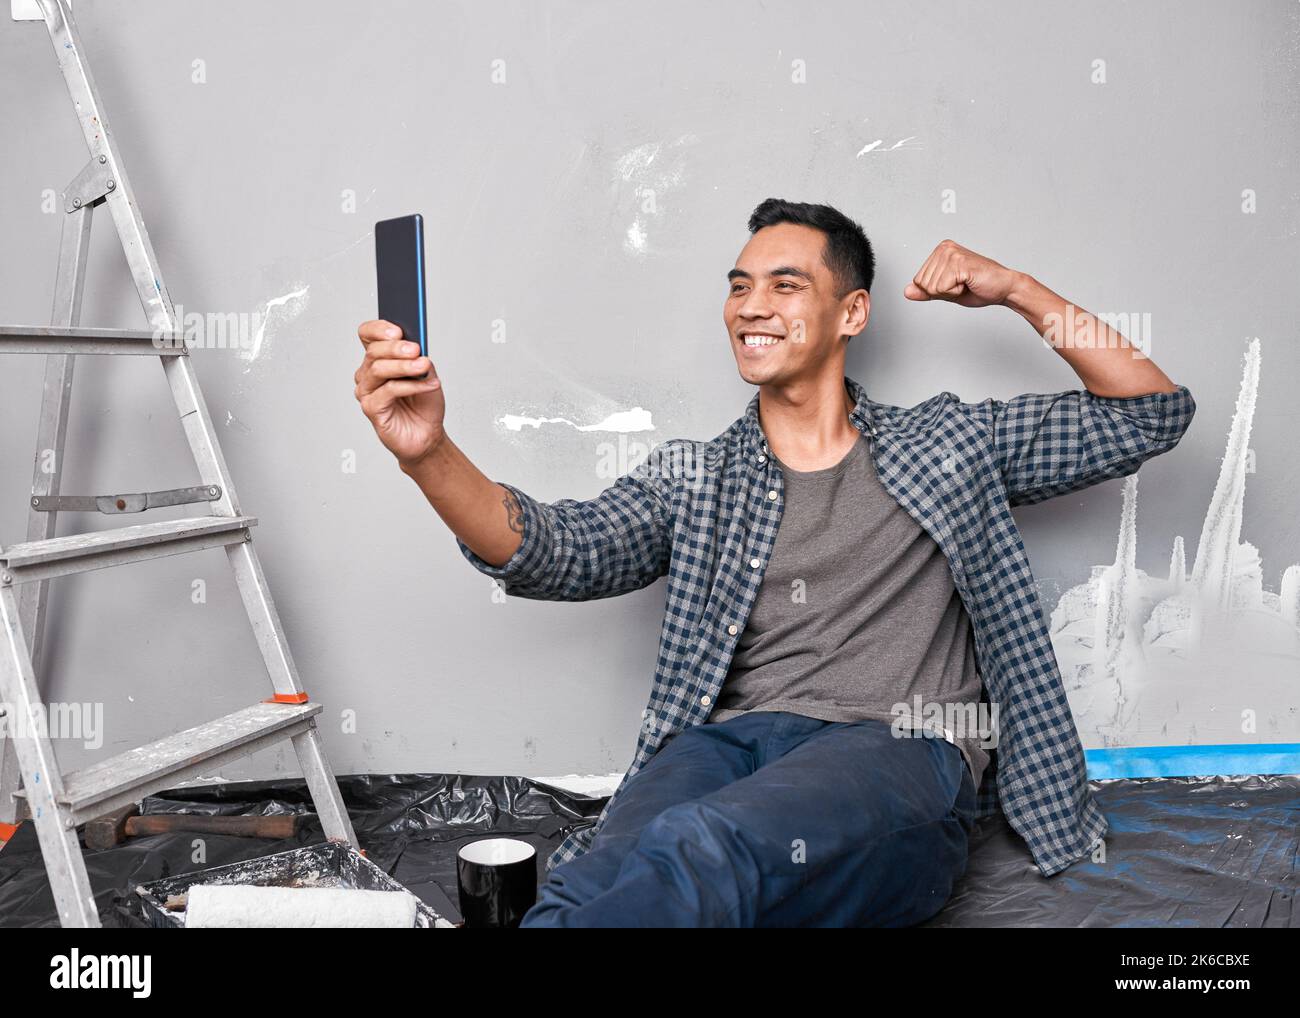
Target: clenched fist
405, 409
955, 273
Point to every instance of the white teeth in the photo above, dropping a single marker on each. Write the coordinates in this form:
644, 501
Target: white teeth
759, 339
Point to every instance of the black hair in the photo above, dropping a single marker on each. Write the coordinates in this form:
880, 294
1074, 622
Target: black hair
847, 252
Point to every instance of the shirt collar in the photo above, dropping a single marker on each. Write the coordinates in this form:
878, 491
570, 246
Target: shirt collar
863, 415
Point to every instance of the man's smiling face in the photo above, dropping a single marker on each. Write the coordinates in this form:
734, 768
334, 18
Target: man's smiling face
781, 312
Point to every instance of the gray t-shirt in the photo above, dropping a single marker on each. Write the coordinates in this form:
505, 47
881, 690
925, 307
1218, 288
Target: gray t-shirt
857, 613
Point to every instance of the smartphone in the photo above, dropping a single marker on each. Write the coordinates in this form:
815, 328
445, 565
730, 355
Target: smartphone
399, 273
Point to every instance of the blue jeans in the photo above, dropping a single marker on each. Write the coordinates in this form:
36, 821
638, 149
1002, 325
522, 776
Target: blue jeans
774, 819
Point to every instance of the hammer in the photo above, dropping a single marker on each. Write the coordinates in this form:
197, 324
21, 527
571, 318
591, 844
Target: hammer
114, 828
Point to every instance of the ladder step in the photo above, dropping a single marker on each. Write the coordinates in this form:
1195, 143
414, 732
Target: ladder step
130, 776
80, 553
77, 340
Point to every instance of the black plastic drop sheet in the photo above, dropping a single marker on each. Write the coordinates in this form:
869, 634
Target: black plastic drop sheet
1197, 852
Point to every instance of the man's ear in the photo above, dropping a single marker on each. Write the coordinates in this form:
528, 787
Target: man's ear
866, 300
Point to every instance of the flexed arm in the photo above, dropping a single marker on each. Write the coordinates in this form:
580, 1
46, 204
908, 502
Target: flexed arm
1047, 444
1105, 361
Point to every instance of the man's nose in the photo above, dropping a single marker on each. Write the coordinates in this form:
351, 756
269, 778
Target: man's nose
755, 306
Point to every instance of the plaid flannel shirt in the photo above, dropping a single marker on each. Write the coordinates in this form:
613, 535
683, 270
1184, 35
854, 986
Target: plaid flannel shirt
706, 514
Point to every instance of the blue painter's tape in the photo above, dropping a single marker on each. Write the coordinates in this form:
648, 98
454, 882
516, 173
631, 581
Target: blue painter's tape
1179, 761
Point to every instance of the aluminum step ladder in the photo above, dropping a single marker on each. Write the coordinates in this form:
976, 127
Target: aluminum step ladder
31, 783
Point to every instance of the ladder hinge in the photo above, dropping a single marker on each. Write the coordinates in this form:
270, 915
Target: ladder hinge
89, 186
112, 505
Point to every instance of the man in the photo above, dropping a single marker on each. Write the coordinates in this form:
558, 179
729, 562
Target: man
847, 588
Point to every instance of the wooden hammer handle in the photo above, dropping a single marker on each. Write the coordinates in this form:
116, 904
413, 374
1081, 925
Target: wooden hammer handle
247, 827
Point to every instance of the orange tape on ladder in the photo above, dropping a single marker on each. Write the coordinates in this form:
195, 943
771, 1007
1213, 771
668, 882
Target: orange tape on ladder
288, 698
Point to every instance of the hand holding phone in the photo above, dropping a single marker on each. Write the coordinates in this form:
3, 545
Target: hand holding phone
397, 387
406, 409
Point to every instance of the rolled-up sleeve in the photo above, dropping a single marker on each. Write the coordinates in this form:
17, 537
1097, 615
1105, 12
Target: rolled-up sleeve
529, 561
1049, 444
574, 550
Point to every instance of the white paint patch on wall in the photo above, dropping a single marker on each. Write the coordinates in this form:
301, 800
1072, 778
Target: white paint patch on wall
650, 172
874, 146
647, 164
282, 309
624, 421
1210, 657
636, 237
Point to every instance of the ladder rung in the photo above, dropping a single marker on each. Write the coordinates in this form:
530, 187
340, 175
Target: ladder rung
130, 776
80, 553
57, 339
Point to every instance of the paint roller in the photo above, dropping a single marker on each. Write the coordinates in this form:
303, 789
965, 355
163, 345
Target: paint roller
251, 906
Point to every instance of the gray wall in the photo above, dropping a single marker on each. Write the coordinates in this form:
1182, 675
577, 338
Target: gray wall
1124, 196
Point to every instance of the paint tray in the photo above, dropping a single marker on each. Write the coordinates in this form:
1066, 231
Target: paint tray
326, 865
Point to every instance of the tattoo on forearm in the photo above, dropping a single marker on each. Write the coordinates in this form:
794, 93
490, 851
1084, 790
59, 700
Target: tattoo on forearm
514, 512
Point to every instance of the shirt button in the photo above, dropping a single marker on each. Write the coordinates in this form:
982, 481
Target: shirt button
753, 563
706, 699
732, 630
762, 459
771, 496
